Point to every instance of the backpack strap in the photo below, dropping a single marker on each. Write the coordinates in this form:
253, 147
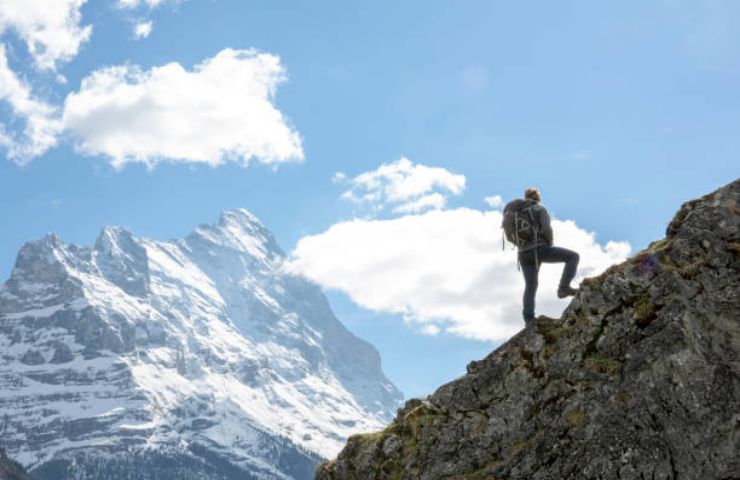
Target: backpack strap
535, 225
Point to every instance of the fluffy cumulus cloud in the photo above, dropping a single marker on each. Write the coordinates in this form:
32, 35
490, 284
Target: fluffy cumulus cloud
50, 28
222, 110
403, 186
52, 33
39, 123
442, 270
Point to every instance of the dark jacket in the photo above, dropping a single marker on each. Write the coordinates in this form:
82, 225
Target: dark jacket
544, 230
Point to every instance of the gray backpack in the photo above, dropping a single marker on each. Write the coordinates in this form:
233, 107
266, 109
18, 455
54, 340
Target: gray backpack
520, 222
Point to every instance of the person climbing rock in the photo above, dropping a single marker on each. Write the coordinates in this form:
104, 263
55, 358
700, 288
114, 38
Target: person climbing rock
526, 224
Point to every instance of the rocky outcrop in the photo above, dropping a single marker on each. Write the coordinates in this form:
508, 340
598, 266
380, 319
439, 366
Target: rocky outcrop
639, 379
9, 470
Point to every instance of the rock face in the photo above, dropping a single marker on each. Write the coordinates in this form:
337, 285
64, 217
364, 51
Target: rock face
188, 359
639, 379
9, 470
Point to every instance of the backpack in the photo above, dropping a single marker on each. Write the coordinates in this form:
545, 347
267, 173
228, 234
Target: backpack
520, 223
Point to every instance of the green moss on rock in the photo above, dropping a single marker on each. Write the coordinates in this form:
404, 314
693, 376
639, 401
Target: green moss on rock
576, 418
644, 311
600, 364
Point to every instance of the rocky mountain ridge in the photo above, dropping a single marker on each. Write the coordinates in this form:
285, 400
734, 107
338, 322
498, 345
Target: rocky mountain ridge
10, 470
190, 358
639, 379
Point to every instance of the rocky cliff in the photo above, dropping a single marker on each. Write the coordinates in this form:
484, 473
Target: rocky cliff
639, 379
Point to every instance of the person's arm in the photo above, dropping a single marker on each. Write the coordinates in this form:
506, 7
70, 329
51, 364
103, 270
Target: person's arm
545, 228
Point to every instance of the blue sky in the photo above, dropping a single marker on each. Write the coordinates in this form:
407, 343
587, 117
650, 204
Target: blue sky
617, 111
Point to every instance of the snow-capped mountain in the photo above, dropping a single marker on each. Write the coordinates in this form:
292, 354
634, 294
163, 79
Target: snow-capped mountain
193, 358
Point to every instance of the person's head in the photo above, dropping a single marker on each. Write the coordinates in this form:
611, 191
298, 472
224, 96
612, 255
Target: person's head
533, 194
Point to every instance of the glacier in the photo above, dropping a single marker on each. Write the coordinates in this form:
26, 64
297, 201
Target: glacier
199, 357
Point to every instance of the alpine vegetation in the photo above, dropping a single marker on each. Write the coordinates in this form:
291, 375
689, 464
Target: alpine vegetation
184, 359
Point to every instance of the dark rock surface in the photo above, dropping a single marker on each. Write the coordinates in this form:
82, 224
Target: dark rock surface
10, 470
639, 379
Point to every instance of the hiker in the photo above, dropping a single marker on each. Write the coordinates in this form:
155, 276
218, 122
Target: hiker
526, 224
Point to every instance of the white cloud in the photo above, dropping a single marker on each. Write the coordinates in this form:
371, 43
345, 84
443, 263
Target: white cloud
52, 33
220, 111
50, 28
142, 27
40, 123
136, 3
142, 30
430, 329
405, 186
433, 201
494, 201
442, 270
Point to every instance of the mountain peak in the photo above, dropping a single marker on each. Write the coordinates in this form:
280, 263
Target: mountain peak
116, 242
240, 216
52, 240
112, 233
122, 260
638, 379
42, 260
241, 231
48, 243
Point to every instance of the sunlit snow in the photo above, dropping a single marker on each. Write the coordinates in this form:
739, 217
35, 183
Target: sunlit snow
203, 341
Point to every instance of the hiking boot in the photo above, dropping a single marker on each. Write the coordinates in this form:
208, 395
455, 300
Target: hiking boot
566, 291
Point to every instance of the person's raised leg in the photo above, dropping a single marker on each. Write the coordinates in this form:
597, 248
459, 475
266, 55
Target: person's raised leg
570, 258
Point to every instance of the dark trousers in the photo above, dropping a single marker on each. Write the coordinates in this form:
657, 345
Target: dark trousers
544, 254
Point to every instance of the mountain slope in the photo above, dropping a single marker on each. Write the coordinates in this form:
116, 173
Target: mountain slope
181, 359
639, 379
9, 470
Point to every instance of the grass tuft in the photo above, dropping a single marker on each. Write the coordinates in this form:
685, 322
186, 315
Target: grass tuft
599, 364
